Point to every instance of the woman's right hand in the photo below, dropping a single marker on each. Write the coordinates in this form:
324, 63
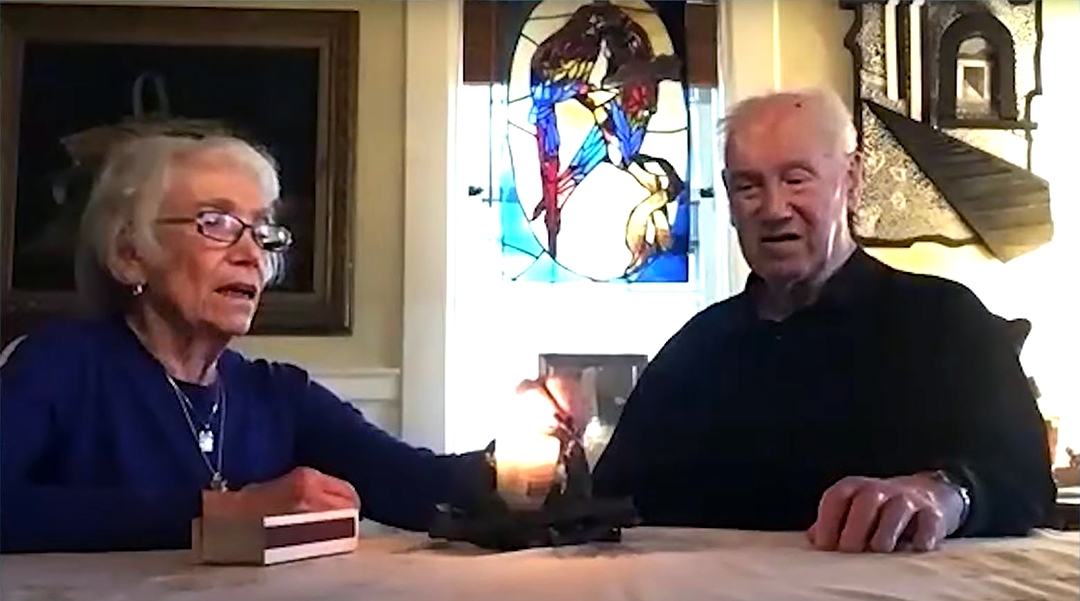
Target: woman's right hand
301, 490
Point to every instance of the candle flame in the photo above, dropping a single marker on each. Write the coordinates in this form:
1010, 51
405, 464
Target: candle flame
526, 453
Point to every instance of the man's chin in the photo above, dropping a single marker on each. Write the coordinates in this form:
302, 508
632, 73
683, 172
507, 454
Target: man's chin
781, 272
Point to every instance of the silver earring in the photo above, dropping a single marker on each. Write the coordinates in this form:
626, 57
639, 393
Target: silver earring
138, 289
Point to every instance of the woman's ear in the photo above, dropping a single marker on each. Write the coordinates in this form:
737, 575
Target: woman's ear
124, 260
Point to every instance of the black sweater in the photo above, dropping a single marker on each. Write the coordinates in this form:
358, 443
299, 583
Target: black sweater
744, 423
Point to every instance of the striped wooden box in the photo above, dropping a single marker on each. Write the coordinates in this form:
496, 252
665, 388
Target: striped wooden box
273, 539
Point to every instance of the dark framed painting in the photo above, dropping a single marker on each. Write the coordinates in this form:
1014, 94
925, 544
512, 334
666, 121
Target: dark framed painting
75, 79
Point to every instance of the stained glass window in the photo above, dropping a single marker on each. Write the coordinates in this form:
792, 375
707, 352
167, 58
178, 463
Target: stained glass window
511, 302
593, 183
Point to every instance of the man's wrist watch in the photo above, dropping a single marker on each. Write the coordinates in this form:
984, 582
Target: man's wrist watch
947, 479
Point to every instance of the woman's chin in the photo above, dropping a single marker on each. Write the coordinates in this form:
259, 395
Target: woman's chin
233, 325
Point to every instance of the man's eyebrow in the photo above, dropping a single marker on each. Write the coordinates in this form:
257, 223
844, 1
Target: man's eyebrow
742, 174
804, 165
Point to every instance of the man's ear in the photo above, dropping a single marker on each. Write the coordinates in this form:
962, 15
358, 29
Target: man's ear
854, 180
727, 192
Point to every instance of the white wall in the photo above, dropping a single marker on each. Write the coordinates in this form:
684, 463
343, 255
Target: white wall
432, 74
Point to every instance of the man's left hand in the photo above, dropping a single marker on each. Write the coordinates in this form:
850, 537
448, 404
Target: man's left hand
861, 514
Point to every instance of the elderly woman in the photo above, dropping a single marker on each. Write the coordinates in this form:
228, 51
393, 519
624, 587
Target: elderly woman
113, 426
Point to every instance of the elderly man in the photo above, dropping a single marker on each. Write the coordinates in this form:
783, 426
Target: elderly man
879, 409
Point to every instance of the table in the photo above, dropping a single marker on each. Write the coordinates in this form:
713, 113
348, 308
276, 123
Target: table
650, 564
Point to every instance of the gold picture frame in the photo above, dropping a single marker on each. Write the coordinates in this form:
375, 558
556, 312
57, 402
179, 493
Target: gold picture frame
74, 77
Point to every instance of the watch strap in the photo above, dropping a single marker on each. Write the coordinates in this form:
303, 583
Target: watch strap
944, 477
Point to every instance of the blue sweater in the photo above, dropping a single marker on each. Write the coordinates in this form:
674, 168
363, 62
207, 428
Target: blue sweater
97, 454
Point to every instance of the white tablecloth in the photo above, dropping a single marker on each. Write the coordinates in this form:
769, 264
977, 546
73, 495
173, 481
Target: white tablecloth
683, 565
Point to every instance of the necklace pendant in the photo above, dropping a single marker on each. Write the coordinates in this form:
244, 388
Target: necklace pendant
217, 483
206, 441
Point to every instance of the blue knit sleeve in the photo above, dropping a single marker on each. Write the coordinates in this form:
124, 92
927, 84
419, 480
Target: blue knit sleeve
398, 484
46, 375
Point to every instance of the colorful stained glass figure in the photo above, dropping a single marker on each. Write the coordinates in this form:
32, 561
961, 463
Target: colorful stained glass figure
597, 134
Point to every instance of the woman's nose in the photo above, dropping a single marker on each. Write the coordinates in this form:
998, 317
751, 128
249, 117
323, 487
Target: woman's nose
246, 251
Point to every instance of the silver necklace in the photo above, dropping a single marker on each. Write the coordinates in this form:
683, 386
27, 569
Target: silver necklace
204, 437
206, 433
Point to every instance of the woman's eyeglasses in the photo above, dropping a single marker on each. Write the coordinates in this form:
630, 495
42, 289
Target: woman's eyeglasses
228, 228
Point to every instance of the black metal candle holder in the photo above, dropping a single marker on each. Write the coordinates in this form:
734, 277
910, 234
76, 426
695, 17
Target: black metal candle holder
569, 515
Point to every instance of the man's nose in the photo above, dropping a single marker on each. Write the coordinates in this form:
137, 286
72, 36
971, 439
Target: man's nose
774, 203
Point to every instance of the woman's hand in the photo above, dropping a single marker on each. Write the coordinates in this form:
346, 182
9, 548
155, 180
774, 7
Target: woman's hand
302, 489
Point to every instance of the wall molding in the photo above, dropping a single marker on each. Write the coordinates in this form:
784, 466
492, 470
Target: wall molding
375, 391
368, 384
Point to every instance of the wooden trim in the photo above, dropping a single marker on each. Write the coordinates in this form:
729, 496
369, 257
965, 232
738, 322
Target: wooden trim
702, 45
480, 26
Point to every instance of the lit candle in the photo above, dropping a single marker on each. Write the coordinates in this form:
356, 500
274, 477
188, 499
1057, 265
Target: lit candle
526, 453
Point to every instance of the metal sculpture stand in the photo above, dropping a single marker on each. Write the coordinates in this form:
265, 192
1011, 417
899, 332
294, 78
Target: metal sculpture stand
570, 515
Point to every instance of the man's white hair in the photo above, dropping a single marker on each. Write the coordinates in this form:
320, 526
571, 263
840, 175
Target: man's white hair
828, 110
126, 198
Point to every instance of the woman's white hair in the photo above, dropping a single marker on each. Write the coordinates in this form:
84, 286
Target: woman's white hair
828, 110
126, 198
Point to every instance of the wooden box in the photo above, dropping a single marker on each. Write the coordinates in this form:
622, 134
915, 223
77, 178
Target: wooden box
266, 540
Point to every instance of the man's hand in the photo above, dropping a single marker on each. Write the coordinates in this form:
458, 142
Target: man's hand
302, 489
869, 514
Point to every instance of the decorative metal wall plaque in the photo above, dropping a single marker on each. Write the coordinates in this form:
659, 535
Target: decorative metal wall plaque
942, 97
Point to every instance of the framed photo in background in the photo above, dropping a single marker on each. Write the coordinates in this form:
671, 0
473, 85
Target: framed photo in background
76, 79
606, 382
